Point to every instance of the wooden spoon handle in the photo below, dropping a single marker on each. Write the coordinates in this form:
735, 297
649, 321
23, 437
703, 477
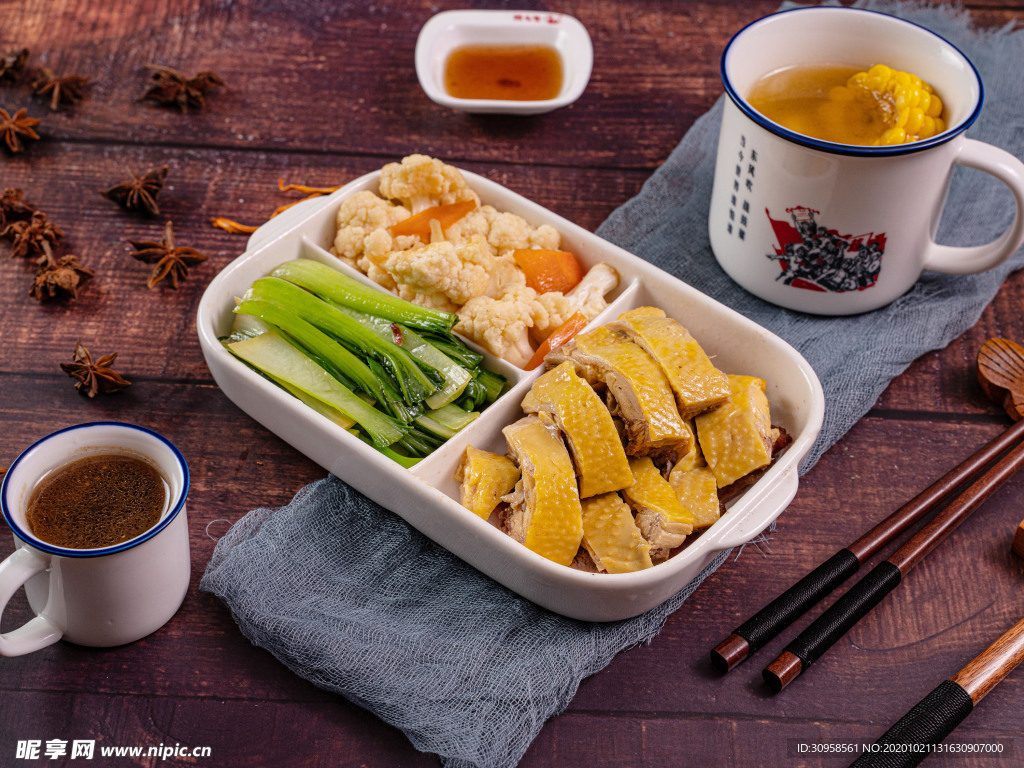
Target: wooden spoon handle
981, 674
930, 721
933, 718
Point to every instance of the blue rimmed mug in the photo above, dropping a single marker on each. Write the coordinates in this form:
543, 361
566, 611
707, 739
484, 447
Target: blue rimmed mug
95, 597
837, 229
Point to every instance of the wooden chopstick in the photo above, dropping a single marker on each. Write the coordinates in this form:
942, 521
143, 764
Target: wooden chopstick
758, 630
886, 576
934, 717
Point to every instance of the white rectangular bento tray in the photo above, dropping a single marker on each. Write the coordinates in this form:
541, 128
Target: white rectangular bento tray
427, 496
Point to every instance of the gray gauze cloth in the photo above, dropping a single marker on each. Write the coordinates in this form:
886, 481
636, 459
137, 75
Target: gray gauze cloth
350, 597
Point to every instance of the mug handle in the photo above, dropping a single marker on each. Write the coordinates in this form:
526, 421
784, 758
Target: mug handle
40, 631
968, 260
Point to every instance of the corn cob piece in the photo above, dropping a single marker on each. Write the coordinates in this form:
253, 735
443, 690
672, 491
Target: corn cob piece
696, 488
485, 478
736, 437
643, 396
697, 384
611, 536
910, 107
663, 521
546, 514
588, 428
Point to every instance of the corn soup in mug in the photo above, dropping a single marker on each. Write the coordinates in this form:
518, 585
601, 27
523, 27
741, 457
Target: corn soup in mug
847, 105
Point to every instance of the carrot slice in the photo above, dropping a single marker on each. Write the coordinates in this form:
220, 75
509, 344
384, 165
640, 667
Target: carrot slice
549, 270
419, 224
576, 323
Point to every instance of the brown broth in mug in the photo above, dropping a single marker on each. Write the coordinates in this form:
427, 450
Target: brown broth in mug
506, 72
97, 501
798, 98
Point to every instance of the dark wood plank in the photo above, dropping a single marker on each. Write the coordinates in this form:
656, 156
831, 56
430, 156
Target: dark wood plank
638, 54
321, 92
656, 72
240, 733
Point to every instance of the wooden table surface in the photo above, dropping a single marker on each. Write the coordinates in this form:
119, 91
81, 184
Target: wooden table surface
319, 92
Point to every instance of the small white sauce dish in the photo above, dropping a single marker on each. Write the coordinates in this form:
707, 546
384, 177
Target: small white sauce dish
449, 30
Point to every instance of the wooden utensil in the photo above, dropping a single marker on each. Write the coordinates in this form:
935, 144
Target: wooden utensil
934, 717
1001, 373
996, 361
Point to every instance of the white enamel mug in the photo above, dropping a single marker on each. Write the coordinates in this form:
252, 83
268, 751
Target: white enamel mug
95, 597
837, 229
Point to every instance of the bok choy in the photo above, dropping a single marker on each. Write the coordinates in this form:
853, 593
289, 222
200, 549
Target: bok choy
390, 370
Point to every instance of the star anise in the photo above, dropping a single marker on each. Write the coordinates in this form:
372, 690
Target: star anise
14, 207
139, 193
12, 66
28, 238
171, 263
66, 89
171, 88
94, 377
59, 279
18, 125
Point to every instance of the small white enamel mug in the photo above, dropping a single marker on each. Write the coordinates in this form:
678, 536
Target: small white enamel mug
96, 597
836, 229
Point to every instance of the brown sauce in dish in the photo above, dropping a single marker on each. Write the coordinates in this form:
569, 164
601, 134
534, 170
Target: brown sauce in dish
506, 72
97, 501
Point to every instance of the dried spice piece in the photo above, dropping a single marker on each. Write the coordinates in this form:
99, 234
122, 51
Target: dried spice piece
30, 238
17, 126
33, 237
312, 192
66, 89
173, 88
12, 66
232, 226
139, 193
14, 207
171, 263
94, 377
59, 279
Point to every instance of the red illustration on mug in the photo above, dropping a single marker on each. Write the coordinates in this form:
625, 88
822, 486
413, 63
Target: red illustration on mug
816, 258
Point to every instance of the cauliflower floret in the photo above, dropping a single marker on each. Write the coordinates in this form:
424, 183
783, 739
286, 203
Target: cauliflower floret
365, 215
420, 181
550, 311
501, 326
504, 232
475, 223
553, 309
437, 268
505, 275
502, 271
509, 232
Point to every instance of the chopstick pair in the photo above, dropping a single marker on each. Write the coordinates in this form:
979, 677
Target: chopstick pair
852, 606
